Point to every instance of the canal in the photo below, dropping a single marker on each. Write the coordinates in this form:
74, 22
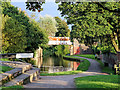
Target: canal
53, 64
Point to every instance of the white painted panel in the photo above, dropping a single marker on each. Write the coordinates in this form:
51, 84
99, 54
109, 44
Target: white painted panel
24, 55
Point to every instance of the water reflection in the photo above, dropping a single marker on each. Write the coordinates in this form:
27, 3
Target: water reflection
52, 64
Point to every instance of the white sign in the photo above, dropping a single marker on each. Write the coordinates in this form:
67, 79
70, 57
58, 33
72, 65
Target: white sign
24, 55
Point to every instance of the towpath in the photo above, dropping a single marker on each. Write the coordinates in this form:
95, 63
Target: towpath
65, 81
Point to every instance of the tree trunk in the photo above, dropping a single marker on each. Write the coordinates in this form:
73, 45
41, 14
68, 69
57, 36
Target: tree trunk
116, 46
118, 52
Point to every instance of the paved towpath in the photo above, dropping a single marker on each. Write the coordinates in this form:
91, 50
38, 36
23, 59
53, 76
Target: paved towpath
65, 81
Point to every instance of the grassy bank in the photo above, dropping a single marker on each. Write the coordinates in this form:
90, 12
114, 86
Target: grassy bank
98, 81
82, 67
4, 68
104, 69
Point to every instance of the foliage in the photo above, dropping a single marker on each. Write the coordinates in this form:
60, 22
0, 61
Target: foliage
37, 36
20, 33
106, 47
48, 23
32, 6
93, 20
98, 81
14, 39
61, 50
48, 51
63, 30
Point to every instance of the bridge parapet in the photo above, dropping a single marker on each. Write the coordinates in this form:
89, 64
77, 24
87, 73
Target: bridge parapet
59, 41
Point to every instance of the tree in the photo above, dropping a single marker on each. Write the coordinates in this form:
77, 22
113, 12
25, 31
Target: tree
22, 32
63, 30
48, 23
37, 36
36, 5
93, 20
13, 36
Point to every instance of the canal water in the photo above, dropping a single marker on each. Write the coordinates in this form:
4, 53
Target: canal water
53, 64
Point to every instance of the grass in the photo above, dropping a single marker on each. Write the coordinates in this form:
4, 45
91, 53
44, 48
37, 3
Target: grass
16, 87
97, 81
5, 68
104, 69
61, 73
4, 59
91, 56
82, 67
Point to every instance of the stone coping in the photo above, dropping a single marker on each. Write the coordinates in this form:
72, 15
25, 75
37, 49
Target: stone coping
19, 69
24, 78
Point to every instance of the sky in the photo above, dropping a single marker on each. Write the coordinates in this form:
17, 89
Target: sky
49, 8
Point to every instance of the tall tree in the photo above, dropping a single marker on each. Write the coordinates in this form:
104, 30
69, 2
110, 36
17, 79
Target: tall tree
63, 30
22, 28
13, 36
92, 20
49, 24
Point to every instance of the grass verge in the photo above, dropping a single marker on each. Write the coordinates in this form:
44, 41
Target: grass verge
61, 73
4, 59
82, 67
16, 87
4, 68
104, 69
91, 56
97, 81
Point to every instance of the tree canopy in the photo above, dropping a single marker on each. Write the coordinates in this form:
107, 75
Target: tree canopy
62, 27
93, 21
20, 33
48, 23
